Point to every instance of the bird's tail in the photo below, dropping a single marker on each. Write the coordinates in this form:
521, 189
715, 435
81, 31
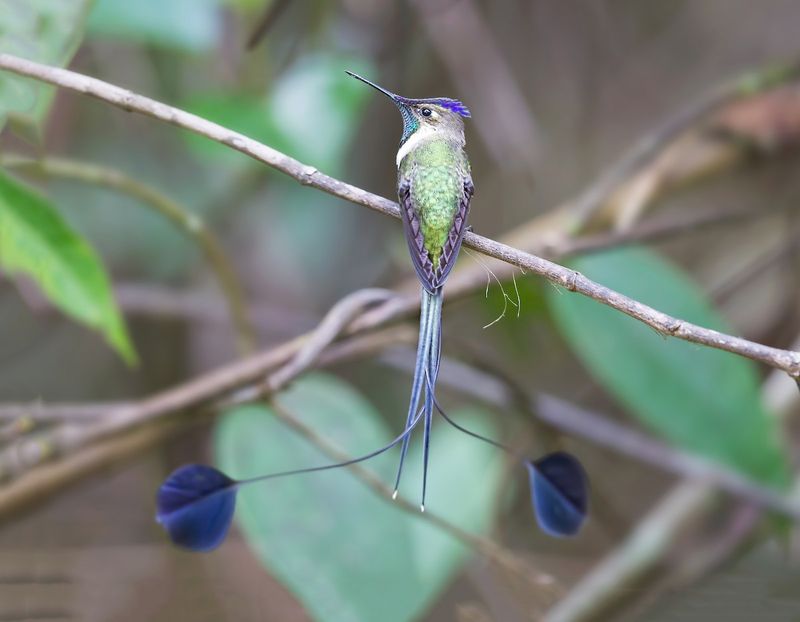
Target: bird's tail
426, 370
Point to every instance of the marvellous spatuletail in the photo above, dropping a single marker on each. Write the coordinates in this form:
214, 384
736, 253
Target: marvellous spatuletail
195, 505
434, 188
559, 493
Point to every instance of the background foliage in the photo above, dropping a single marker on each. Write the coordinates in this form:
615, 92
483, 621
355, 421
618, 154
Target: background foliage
92, 281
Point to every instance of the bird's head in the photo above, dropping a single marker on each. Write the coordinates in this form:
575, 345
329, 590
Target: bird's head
436, 114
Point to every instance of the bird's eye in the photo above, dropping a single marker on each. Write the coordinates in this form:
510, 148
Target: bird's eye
426, 112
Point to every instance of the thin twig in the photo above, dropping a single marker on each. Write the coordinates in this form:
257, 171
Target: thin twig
651, 230
190, 223
650, 145
308, 175
571, 280
271, 14
579, 422
331, 326
40, 412
774, 254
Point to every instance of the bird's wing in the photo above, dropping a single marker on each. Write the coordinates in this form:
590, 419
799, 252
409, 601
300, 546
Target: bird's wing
414, 236
457, 231
433, 276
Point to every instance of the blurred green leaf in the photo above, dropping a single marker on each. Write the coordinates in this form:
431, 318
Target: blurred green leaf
701, 399
316, 107
346, 553
311, 112
184, 25
36, 242
47, 31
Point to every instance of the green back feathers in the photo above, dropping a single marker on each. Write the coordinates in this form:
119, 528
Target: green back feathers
437, 170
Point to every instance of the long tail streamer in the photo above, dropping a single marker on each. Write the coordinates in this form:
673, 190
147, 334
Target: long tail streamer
426, 370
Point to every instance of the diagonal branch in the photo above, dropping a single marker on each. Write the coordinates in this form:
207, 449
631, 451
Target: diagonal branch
786, 360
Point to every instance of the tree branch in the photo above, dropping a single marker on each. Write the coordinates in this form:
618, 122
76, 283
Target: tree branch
308, 175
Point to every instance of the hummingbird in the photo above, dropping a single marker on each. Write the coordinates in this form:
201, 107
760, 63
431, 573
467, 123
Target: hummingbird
195, 503
434, 190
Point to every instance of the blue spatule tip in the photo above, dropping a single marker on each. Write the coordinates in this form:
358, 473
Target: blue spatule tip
559, 493
195, 505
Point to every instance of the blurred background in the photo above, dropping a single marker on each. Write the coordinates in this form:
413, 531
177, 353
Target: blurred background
559, 91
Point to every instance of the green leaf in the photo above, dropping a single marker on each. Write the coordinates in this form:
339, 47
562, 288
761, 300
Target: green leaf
704, 400
47, 31
36, 242
183, 25
346, 553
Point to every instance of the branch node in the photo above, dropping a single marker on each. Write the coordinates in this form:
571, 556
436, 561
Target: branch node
571, 280
794, 366
674, 326
128, 101
233, 141
307, 175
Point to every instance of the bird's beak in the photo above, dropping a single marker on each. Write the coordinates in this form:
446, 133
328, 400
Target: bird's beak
395, 98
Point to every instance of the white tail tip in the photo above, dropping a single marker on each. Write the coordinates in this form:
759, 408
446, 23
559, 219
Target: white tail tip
394, 495
422, 507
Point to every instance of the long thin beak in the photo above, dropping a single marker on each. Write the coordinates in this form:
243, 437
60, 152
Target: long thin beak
389, 94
